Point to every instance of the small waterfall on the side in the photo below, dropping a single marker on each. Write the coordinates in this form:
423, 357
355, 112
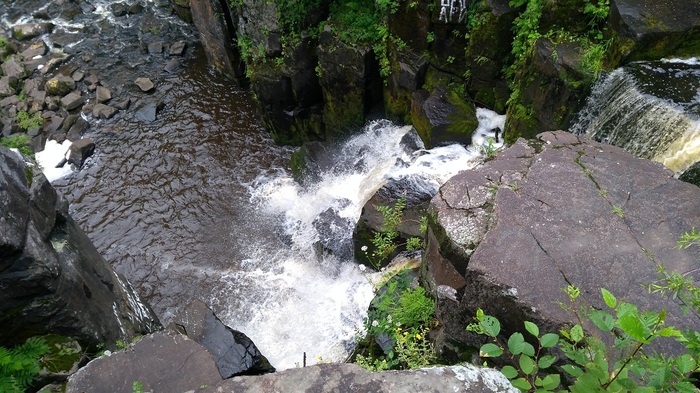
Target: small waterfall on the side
651, 109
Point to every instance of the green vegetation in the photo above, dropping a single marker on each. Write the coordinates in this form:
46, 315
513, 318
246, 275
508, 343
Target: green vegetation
27, 121
384, 241
404, 314
19, 142
613, 358
20, 365
3, 42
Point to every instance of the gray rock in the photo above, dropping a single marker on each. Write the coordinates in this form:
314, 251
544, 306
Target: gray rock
102, 94
509, 235
103, 111
177, 49
7, 86
80, 150
119, 9
27, 31
13, 68
60, 85
53, 278
123, 104
76, 130
53, 63
36, 49
144, 84
216, 38
63, 39
155, 48
150, 361
72, 101
233, 352
78, 75
147, 111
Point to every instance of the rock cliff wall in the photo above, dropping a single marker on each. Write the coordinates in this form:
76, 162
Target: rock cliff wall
53, 280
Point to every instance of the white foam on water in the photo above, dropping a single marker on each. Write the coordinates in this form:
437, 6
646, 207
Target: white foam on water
53, 154
306, 303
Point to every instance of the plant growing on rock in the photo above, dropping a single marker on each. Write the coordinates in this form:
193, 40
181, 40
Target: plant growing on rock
19, 142
27, 121
592, 364
19, 366
384, 241
400, 317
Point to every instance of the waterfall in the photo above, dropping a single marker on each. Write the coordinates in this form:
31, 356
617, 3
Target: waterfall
651, 109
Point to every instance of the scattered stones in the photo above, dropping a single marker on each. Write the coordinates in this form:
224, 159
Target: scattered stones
78, 75
92, 79
103, 94
144, 84
72, 101
123, 104
60, 85
103, 111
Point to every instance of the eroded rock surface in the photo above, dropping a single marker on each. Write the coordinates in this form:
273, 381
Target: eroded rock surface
511, 234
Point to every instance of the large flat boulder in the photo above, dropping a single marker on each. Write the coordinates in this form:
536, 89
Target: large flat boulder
53, 279
511, 234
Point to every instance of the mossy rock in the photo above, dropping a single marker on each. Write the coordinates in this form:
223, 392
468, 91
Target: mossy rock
64, 354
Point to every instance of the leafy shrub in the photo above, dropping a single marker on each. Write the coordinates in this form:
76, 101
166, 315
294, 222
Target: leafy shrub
27, 121
19, 142
20, 365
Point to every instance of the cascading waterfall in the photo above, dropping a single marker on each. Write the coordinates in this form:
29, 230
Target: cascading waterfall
651, 109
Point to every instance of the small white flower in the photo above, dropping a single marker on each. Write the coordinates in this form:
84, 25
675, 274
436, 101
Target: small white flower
375, 323
388, 318
364, 248
363, 268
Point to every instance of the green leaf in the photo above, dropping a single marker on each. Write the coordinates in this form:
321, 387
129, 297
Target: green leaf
549, 340
532, 328
644, 389
609, 298
528, 349
603, 320
669, 331
686, 364
491, 325
515, 343
551, 381
626, 309
572, 370
509, 371
527, 365
632, 325
546, 361
576, 333
490, 350
522, 384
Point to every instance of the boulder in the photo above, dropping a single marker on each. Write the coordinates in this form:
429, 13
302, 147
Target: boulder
35, 49
60, 85
443, 117
27, 31
233, 352
7, 86
102, 94
150, 361
80, 150
332, 231
53, 278
72, 101
13, 68
508, 236
102, 111
177, 49
145, 84
692, 174
650, 30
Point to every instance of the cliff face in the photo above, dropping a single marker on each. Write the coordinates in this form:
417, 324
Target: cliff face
53, 279
319, 68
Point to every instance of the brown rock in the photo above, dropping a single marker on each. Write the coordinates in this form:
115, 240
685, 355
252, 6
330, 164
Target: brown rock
144, 84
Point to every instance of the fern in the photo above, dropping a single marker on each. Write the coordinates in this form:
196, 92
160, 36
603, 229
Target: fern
20, 365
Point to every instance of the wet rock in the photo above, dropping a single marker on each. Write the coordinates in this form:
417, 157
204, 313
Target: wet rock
102, 111
177, 49
233, 352
77, 75
691, 175
13, 68
123, 104
172, 66
216, 38
63, 39
442, 117
87, 7
144, 84
54, 124
54, 279
544, 212
119, 9
331, 227
80, 150
72, 101
146, 111
35, 49
76, 130
155, 48
53, 63
60, 85
102, 94
135, 9
27, 31
92, 79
